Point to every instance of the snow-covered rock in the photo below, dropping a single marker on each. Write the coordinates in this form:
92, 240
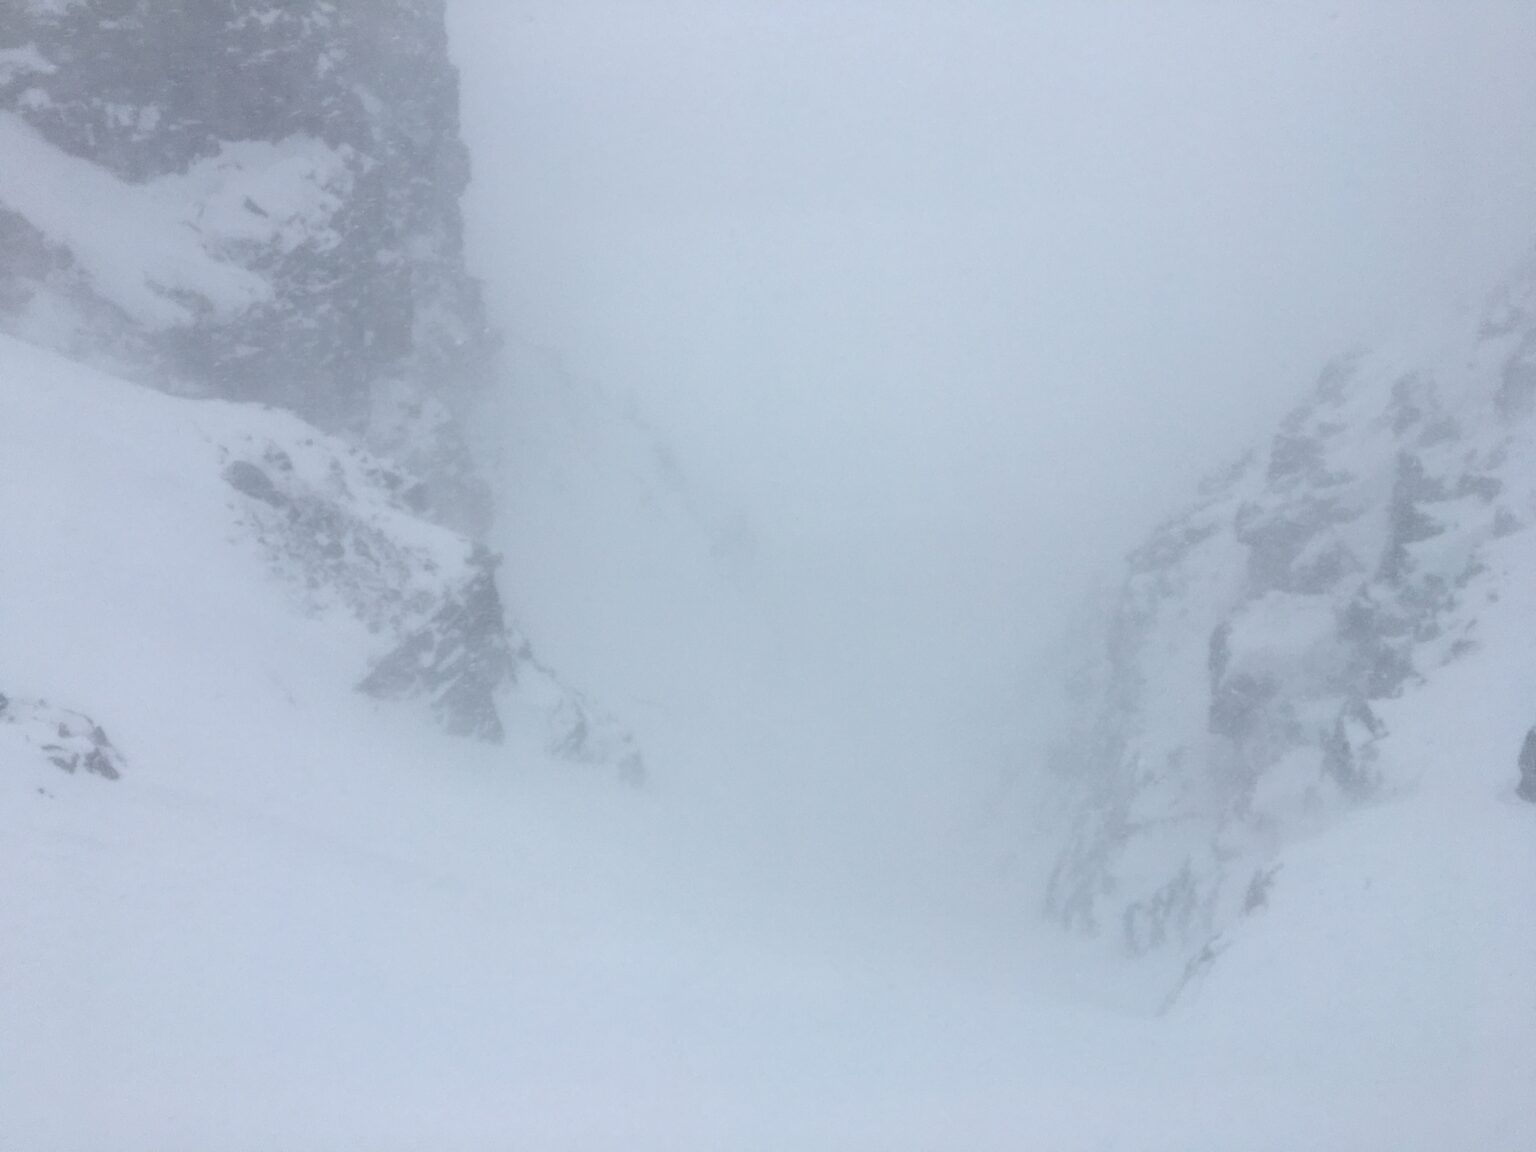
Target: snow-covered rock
1265, 639
70, 741
334, 533
254, 202
261, 203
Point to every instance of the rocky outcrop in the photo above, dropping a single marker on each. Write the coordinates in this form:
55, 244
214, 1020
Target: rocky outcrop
1235, 703
457, 658
69, 741
265, 205
340, 530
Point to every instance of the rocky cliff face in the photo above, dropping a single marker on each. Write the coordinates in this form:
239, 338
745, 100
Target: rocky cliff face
1240, 700
303, 164
334, 525
260, 203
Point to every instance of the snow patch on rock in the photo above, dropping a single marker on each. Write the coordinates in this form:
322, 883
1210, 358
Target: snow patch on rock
1243, 695
70, 741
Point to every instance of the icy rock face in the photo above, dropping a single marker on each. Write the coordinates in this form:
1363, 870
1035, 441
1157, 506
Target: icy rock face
67, 740
1235, 703
265, 205
456, 658
341, 530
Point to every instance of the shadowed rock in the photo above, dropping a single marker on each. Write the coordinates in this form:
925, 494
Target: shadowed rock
68, 740
1527, 786
458, 659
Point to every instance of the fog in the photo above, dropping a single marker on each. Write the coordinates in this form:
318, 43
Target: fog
948, 303
649, 712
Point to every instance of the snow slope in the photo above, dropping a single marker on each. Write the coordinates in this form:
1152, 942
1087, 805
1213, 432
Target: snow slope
304, 919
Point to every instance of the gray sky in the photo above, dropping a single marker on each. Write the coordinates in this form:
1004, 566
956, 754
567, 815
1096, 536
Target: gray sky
956, 297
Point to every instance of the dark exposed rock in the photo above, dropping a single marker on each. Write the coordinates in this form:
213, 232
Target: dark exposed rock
1259, 887
1376, 653
1527, 786
457, 659
1407, 523
1334, 380
1293, 457
1349, 751
70, 741
243, 476
1219, 654
339, 530
1408, 404
1279, 540
322, 535
372, 326
1238, 702
1167, 914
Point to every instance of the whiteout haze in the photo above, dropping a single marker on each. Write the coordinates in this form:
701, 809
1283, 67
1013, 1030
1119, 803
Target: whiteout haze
646, 697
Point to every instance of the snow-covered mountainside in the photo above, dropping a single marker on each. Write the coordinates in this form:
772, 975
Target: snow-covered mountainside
293, 857
254, 202
1340, 625
240, 916
261, 204
307, 526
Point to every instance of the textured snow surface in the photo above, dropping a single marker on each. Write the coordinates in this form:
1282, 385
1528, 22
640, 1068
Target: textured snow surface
153, 249
304, 920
